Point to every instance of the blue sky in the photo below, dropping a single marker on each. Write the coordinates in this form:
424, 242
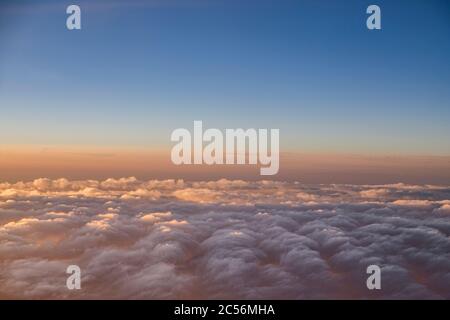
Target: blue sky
136, 72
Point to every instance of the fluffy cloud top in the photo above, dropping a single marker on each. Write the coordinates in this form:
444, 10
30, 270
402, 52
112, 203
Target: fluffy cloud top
222, 239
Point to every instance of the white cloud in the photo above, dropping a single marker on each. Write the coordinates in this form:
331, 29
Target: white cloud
222, 239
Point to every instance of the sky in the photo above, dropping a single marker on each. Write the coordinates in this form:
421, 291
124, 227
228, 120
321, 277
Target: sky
86, 177
135, 72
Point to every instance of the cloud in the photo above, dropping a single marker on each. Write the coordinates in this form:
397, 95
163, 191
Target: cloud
222, 239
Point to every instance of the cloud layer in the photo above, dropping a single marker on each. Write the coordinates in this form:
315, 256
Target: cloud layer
222, 239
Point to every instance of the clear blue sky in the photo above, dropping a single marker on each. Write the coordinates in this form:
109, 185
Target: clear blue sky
138, 70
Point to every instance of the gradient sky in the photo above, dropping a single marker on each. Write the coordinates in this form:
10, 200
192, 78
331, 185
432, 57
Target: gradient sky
135, 72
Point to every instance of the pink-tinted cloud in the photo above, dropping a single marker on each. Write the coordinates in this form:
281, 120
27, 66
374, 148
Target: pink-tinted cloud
222, 239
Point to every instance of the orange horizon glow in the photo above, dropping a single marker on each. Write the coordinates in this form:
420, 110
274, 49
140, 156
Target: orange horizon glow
25, 163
